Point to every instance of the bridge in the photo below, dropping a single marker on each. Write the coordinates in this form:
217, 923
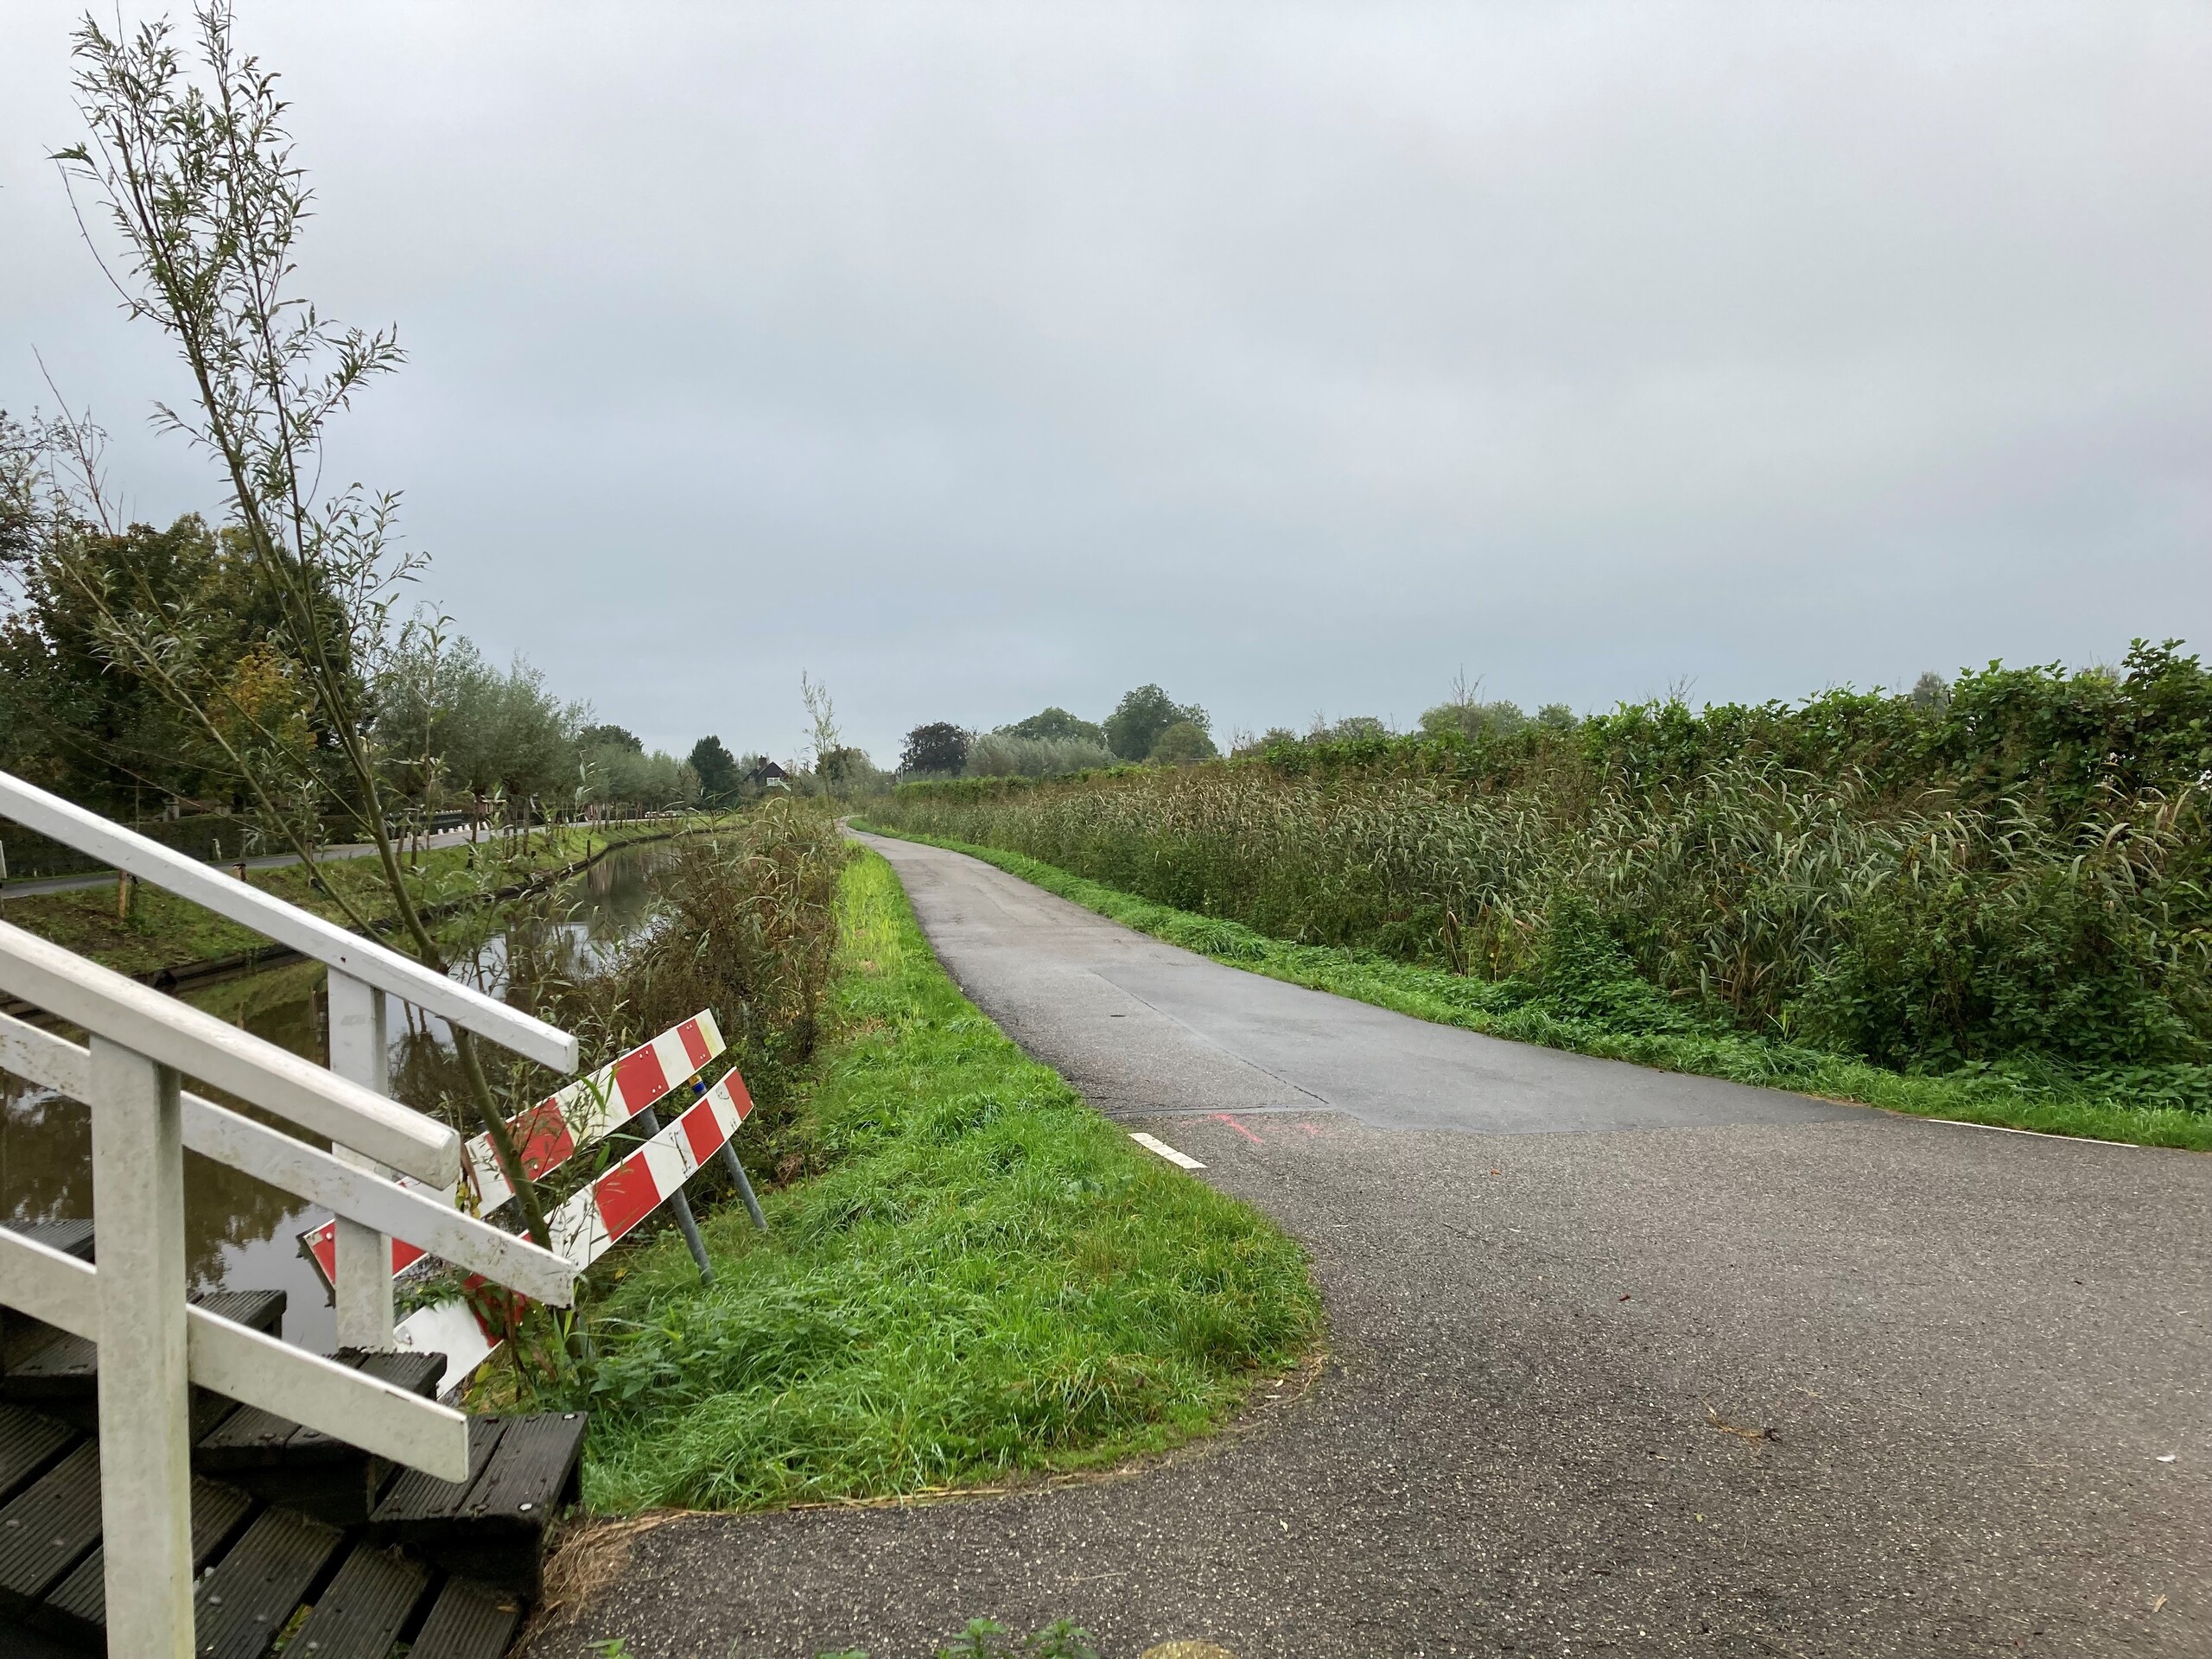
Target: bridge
174, 1479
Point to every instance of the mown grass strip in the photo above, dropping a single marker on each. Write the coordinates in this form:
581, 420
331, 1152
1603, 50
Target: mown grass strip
989, 1281
1511, 1009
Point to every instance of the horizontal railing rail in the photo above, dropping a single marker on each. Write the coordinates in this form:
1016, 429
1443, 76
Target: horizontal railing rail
271, 1155
374, 964
252, 1369
154, 1347
363, 973
199, 1045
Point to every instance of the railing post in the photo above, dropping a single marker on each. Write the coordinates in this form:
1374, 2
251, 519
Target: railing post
358, 1054
145, 1446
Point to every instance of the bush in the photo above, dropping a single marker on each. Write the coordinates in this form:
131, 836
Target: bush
746, 925
1003, 754
2017, 869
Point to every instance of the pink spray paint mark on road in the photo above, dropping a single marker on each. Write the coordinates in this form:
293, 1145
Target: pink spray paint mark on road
1240, 1128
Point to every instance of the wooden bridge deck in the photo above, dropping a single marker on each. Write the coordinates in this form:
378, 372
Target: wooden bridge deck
293, 1534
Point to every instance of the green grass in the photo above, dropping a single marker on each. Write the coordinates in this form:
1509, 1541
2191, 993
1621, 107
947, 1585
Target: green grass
989, 1281
2021, 1095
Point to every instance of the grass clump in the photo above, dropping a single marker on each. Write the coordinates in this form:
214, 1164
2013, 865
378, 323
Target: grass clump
1583, 993
989, 1281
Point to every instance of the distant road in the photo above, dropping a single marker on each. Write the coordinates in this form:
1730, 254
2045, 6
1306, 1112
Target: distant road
1623, 1362
267, 861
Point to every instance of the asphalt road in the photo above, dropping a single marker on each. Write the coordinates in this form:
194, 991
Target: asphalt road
1621, 1361
25, 889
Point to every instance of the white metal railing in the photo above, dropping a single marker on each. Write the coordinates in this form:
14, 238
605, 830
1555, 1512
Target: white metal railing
152, 1344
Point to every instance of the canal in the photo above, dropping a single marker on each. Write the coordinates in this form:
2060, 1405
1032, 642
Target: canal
240, 1233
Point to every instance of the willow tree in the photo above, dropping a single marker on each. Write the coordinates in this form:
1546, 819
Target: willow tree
196, 177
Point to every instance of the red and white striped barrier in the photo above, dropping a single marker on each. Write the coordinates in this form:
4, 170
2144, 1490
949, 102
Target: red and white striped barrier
556, 1128
594, 1219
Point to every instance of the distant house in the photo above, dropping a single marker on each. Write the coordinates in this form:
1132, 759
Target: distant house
768, 775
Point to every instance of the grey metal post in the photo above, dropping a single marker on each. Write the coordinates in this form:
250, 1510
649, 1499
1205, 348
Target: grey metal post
736, 1168
649, 1119
358, 1054
145, 1446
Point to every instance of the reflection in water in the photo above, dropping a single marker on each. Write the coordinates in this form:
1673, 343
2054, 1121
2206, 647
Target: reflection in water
239, 1233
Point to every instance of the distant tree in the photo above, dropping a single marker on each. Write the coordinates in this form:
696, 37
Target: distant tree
1467, 715
1182, 744
821, 718
1142, 715
610, 737
1558, 716
719, 772
1054, 725
1931, 691
937, 749
1001, 754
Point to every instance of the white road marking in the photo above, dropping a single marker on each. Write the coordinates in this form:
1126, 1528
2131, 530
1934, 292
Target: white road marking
1153, 1143
2000, 1129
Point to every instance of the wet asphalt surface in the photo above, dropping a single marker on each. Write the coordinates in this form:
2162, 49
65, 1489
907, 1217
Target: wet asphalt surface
1620, 1362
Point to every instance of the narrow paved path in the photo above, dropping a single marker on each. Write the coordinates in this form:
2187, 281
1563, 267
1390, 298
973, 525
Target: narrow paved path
1622, 1361
25, 889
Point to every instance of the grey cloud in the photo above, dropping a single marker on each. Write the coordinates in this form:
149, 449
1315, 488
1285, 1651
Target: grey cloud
979, 356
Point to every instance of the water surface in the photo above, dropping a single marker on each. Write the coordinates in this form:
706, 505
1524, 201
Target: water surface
241, 1234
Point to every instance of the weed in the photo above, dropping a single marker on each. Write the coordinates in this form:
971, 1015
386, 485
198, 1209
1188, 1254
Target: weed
931, 1312
1580, 1000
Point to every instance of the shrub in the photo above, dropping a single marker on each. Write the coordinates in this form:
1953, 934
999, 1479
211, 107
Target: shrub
2019, 868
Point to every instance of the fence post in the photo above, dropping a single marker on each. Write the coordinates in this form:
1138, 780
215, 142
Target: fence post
358, 1054
145, 1446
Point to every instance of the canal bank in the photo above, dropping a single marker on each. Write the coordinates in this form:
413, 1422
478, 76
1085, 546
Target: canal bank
241, 1234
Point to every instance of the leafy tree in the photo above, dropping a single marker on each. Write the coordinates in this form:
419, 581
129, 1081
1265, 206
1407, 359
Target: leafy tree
719, 772
1182, 744
1931, 690
1142, 715
78, 721
24, 496
615, 737
198, 180
937, 749
1054, 725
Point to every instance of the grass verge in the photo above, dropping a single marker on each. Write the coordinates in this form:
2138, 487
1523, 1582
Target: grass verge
989, 1281
2023, 1096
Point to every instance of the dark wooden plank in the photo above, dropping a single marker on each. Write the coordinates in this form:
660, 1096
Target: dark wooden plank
258, 1310
62, 1372
47, 1531
495, 1531
359, 1613
417, 1496
70, 1237
67, 1366
21, 1336
470, 1621
76, 1611
417, 1373
251, 1437
30, 1444
530, 1470
21, 1642
256, 1589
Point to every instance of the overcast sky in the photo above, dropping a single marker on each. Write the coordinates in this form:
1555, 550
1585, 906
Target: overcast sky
975, 358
